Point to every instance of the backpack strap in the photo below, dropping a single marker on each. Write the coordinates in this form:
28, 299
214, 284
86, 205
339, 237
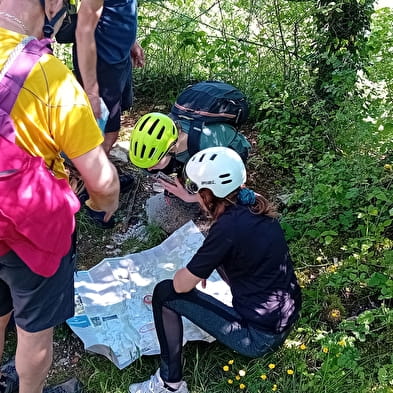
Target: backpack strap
16, 69
194, 137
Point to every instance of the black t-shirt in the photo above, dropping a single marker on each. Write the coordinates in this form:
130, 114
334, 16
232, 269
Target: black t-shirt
251, 254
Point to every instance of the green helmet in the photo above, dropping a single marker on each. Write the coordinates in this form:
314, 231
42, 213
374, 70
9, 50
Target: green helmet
151, 138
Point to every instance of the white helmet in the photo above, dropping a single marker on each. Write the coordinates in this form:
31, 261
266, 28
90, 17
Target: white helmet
220, 169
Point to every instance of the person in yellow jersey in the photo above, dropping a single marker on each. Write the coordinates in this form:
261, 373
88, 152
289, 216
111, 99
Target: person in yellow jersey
52, 114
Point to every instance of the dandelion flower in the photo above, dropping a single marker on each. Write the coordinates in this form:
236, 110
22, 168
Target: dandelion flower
242, 373
242, 386
237, 377
342, 343
264, 377
274, 388
303, 347
225, 368
290, 371
230, 361
325, 349
230, 381
271, 366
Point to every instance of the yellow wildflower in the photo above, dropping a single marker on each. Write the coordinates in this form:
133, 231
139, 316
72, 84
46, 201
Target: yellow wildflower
230, 361
225, 368
242, 386
325, 349
237, 377
342, 343
271, 366
290, 371
230, 381
303, 347
242, 373
334, 313
274, 388
264, 377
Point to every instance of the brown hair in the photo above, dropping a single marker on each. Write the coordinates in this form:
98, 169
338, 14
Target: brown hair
216, 206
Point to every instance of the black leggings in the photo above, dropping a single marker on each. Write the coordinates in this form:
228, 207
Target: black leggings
211, 315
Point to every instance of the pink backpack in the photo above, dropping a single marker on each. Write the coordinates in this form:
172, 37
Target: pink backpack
37, 210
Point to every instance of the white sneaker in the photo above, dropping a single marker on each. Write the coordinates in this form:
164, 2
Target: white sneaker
155, 385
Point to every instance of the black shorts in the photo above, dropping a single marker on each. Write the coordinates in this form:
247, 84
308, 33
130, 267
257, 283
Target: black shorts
112, 80
38, 302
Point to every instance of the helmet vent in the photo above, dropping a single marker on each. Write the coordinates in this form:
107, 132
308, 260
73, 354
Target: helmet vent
201, 157
153, 126
142, 126
161, 133
226, 178
213, 157
143, 150
135, 148
152, 151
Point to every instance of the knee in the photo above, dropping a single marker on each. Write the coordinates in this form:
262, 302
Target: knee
162, 291
33, 366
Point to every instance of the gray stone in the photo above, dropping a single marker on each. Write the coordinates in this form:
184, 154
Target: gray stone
120, 151
170, 213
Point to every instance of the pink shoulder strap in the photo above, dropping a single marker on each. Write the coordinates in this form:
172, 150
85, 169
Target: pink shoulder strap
16, 69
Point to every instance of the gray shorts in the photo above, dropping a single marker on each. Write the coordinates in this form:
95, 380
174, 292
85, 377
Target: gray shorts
38, 302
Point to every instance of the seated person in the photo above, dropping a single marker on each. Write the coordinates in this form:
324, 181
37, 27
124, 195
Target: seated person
246, 245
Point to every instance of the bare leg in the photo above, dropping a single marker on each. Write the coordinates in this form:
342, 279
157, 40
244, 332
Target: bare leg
3, 326
33, 359
109, 140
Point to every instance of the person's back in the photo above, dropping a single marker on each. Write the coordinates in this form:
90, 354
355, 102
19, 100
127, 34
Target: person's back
257, 245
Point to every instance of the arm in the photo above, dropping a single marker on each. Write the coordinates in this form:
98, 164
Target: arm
179, 191
184, 280
88, 16
101, 180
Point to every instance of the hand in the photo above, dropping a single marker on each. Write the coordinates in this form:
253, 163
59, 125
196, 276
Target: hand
95, 104
178, 190
100, 218
137, 55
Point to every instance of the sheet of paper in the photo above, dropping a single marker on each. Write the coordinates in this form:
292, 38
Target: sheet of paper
113, 312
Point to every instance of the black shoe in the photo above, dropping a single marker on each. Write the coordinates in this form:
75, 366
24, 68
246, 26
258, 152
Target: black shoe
126, 182
71, 386
9, 380
97, 218
83, 196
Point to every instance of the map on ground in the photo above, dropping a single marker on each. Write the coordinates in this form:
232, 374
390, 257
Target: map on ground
113, 312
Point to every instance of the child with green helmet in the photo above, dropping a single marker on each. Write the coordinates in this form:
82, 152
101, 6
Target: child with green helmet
160, 144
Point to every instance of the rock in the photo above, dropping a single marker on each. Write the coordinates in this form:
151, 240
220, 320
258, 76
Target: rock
170, 213
120, 151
